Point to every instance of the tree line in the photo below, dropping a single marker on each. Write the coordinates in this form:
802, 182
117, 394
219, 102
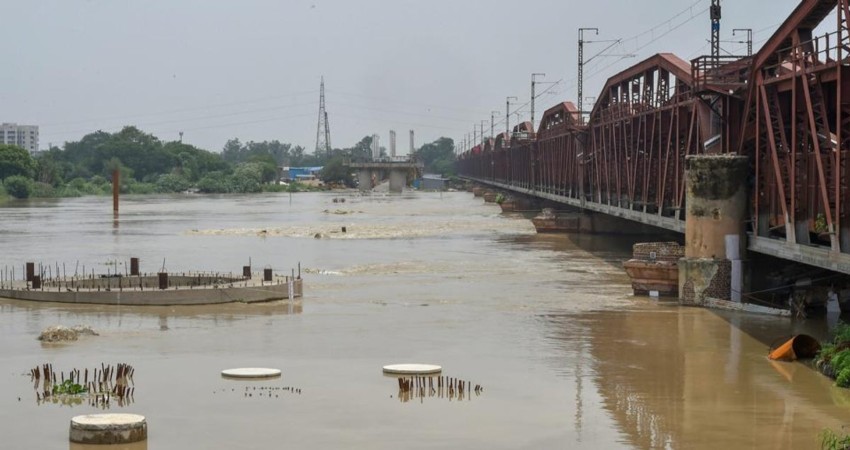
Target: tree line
150, 165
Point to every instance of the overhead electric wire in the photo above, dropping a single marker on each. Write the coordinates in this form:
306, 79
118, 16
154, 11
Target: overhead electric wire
406, 102
689, 9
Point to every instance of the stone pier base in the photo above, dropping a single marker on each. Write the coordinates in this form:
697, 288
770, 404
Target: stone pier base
704, 278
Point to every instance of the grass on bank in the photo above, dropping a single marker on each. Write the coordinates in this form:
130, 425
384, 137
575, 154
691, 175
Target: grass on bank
833, 359
830, 440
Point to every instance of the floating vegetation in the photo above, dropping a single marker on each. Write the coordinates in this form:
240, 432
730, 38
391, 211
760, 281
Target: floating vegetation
107, 386
61, 333
68, 387
411, 388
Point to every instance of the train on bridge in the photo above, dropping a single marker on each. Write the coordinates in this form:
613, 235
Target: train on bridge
786, 107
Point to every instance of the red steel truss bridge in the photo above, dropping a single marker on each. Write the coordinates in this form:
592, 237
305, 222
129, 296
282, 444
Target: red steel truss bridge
787, 108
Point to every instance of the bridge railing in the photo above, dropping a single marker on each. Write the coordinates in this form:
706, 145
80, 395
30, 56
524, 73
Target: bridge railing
723, 72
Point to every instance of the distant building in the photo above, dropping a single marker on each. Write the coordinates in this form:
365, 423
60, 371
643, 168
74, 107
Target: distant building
24, 136
300, 173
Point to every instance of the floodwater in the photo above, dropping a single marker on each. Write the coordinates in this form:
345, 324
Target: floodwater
545, 324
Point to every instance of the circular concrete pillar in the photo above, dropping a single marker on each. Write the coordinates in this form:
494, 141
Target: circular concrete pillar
108, 429
412, 369
716, 202
715, 239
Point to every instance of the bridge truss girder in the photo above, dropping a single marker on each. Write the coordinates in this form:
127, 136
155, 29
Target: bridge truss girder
798, 117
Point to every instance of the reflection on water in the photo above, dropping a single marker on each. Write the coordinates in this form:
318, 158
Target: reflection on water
569, 358
436, 387
143, 445
683, 378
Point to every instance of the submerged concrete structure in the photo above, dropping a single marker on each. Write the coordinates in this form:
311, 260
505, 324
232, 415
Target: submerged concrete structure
161, 289
654, 268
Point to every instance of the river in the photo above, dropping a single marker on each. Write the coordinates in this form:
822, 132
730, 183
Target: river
567, 357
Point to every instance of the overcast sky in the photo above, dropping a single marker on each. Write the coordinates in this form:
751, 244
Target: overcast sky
250, 69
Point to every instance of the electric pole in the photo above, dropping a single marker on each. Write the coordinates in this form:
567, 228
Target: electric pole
715, 31
492, 123
482, 131
508, 115
749, 39
533, 75
581, 70
323, 132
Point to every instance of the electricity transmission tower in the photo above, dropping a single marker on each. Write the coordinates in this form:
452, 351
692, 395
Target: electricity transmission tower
323, 129
715, 30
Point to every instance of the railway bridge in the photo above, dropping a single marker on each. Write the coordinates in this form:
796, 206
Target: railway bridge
786, 109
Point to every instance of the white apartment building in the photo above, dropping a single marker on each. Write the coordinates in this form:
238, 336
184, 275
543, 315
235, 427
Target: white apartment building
24, 136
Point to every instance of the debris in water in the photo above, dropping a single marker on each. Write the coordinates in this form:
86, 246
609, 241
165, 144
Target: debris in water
60, 333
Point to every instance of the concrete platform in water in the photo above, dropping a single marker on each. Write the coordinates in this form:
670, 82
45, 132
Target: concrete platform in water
550, 221
183, 289
654, 267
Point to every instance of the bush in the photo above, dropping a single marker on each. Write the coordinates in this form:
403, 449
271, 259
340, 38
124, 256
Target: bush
42, 190
276, 188
841, 366
213, 183
139, 188
842, 334
68, 191
830, 440
247, 178
98, 180
18, 186
172, 183
3, 195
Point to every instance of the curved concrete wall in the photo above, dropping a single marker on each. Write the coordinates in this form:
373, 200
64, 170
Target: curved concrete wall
156, 297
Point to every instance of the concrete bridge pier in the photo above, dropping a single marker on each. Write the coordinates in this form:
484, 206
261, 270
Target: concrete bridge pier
367, 179
715, 238
364, 180
369, 174
398, 180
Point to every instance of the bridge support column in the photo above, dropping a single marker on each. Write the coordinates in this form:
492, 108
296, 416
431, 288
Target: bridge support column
715, 237
398, 180
364, 180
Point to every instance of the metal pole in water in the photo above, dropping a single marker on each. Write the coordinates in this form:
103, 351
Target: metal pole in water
116, 183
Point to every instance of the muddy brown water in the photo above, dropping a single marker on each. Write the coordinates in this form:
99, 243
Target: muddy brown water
546, 324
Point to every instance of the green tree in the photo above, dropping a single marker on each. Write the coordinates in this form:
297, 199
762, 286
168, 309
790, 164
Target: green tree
193, 163
15, 161
246, 178
48, 170
268, 167
18, 186
438, 156
334, 171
